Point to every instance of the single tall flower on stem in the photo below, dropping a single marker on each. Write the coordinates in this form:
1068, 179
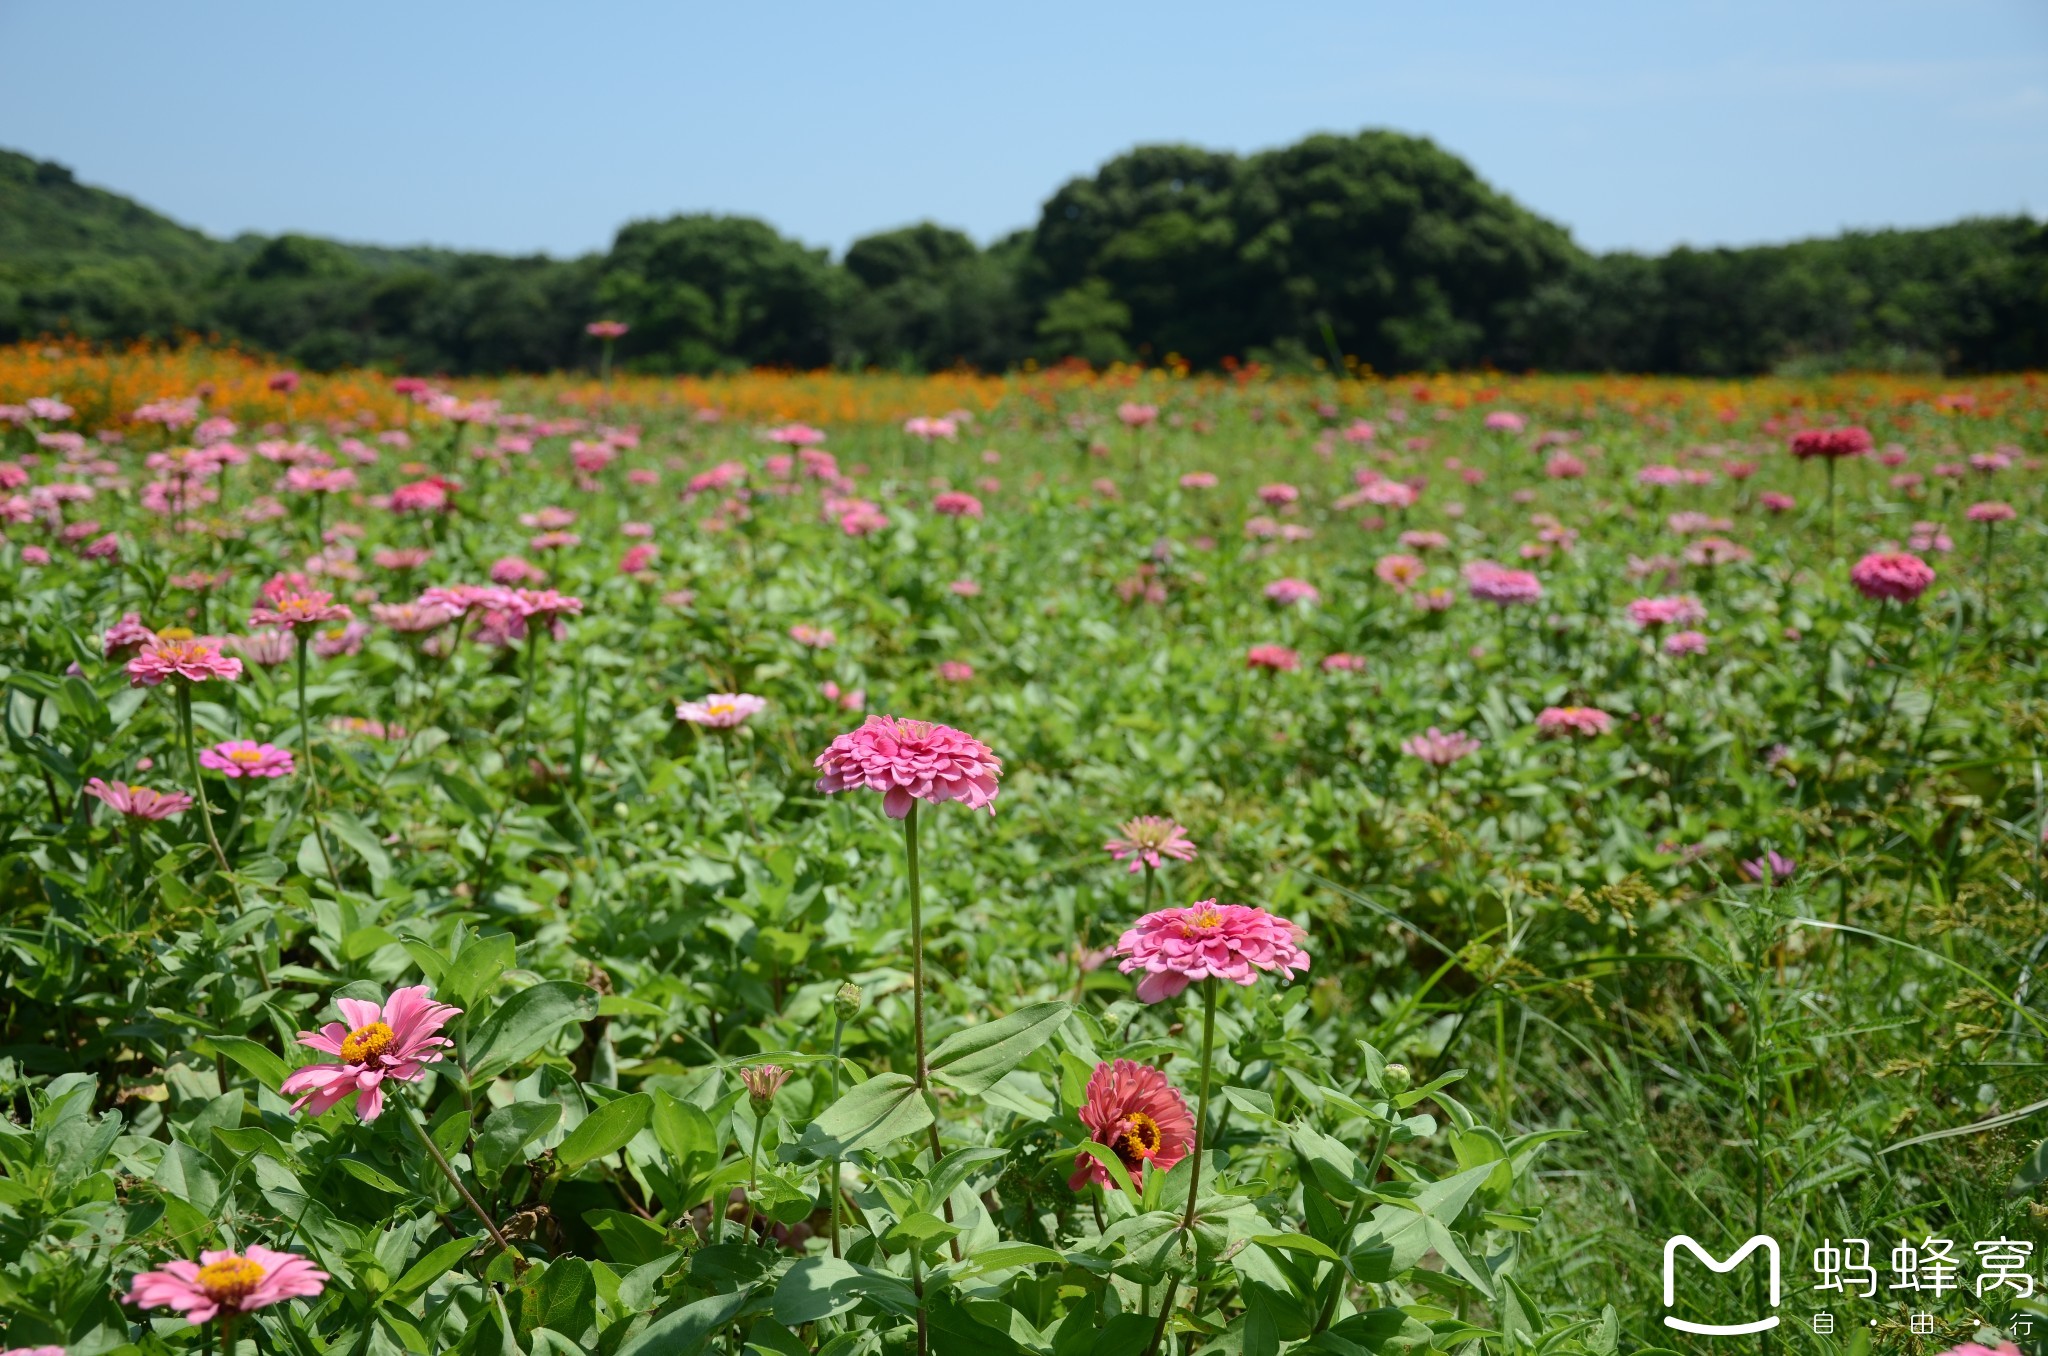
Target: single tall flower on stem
1145, 840
226, 1285
183, 662
139, 802
909, 761
1205, 942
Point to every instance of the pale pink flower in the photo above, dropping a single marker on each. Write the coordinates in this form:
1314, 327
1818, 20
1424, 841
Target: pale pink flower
293, 611
1139, 1115
1422, 539
1496, 583
514, 570
1402, 572
911, 760
721, 710
1990, 511
1343, 663
1650, 613
1135, 415
796, 435
1359, 431
1716, 551
1174, 947
1148, 838
1288, 592
336, 641
236, 758
1564, 466
223, 1282
930, 429
817, 637
955, 671
1439, 749
851, 699
139, 802
393, 1040
194, 661
1776, 502
413, 618
1432, 600
1685, 642
964, 588
1198, 480
1586, 721
1891, 575
1930, 537
402, 558
1506, 421
1277, 494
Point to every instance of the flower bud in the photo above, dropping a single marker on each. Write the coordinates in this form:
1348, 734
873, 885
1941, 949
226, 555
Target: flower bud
1395, 1079
847, 1001
763, 1082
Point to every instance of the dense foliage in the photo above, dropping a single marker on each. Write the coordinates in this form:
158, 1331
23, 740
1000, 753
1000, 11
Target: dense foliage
1656, 870
1377, 248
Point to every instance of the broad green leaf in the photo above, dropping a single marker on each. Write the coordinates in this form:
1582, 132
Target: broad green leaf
261, 1063
527, 1021
975, 1058
880, 1111
687, 1330
604, 1130
509, 1129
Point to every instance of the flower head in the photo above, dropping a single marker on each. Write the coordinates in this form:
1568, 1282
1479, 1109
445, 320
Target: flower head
1650, 613
1148, 838
957, 504
126, 634
721, 710
1495, 583
763, 1081
1773, 866
1272, 658
293, 611
911, 760
1586, 721
1287, 592
1439, 749
607, 329
1831, 442
1208, 941
227, 1282
389, 1040
246, 758
193, 660
1990, 511
139, 802
1141, 1116
1685, 642
1891, 574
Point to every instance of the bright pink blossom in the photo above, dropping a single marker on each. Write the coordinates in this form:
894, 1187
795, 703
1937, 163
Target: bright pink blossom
1174, 947
1139, 1115
1831, 442
246, 758
229, 1283
911, 760
195, 661
1891, 575
392, 1040
1586, 721
1148, 838
1495, 583
139, 802
1272, 658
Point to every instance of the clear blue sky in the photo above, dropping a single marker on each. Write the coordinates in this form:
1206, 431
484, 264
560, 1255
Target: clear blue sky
515, 126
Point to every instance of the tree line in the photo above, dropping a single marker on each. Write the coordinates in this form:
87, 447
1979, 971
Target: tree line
1376, 248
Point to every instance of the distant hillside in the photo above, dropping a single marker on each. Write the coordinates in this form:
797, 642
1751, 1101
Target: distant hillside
1377, 247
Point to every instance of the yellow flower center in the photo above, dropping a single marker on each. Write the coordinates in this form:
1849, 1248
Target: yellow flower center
720, 708
1207, 918
175, 633
1138, 1140
248, 757
230, 1279
366, 1043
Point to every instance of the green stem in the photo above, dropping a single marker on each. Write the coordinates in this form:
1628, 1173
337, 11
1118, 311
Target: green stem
916, 943
832, 1164
412, 1118
753, 1177
198, 782
313, 768
1187, 1220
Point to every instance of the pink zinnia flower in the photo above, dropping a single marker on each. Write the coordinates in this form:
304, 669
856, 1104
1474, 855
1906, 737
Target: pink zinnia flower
1891, 574
796, 435
336, 641
246, 758
638, 559
195, 661
955, 671
1439, 749
964, 588
230, 1283
1495, 583
931, 429
139, 802
1135, 415
1422, 539
607, 329
1278, 493
422, 496
1287, 592
957, 504
721, 710
1198, 480
1991, 511
1141, 1116
1588, 721
1506, 421
284, 382
1685, 642
1272, 658
1148, 838
1564, 466
1400, 571
817, 637
293, 611
1930, 537
911, 760
126, 634
512, 570
1650, 613
1831, 442
391, 1040
402, 558
413, 617
1432, 600
853, 699
1343, 663
1208, 941
1777, 503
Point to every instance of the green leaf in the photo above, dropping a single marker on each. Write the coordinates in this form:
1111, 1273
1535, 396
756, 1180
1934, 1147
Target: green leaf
974, 1059
605, 1130
260, 1062
505, 1135
475, 971
367, 1172
1106, 1156
433, 1267
364, 843
687, 1330
880, 1111
684, 1131
527, 1021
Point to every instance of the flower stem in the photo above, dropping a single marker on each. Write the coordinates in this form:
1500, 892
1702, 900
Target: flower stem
198, 782
753, 1176
916, 942
313, 769
1187, 1221
832, 1164
412, 1118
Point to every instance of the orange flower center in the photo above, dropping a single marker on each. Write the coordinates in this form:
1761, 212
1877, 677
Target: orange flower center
366, 1043
247, 757
1137, 1140
1207, 918
230, 1279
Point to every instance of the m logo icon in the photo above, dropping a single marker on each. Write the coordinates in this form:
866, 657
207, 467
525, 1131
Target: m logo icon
1671, 1246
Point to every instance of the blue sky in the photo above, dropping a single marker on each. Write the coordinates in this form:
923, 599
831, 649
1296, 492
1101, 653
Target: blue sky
521, 127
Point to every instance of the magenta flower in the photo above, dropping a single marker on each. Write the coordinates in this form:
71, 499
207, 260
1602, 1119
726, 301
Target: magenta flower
957, 504
227, 1283
1685, 642
1148, 838
1990, 511
1272, 658
1439, 749
1496, 583
1277, 494
194, 661
1139, 1115
607, 329
391, 1040
721, 710
955, 671
1208, 941
911, 760
126, 634
1776, 502
1886, 575
1650, 613
1772, 866
139, 802
245, 758
1585, 721
1831, 443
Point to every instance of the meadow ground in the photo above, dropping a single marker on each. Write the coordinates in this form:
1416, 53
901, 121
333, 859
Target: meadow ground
1635, 787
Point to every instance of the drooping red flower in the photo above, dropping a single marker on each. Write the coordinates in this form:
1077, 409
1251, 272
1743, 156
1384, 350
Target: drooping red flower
1142, 1117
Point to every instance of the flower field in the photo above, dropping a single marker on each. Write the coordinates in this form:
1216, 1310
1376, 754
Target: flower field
1068, 863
